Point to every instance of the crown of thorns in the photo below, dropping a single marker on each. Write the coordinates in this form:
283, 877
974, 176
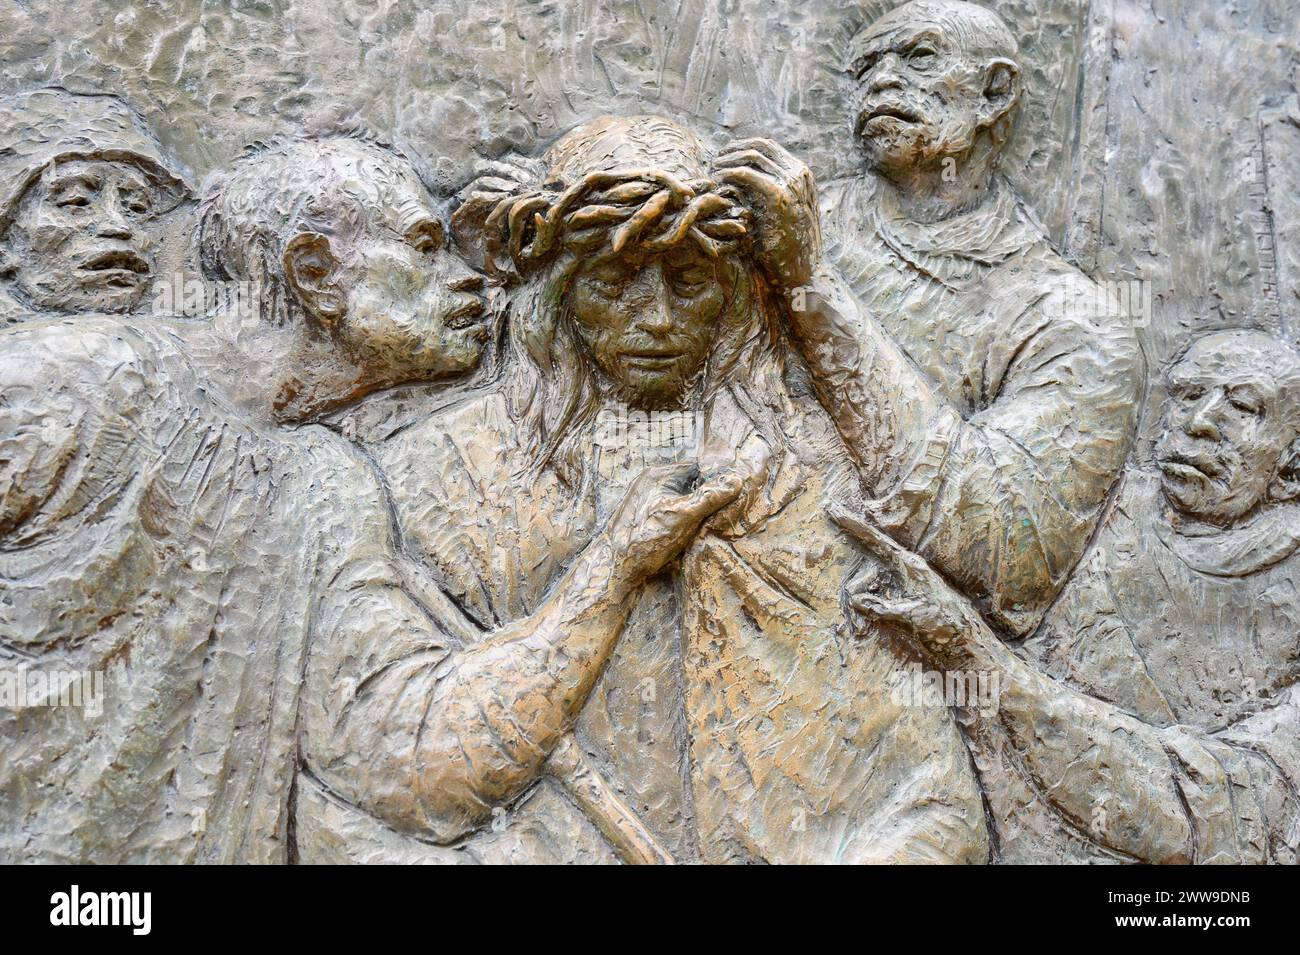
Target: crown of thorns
649, 207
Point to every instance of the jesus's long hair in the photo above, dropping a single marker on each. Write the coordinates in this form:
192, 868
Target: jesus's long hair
538, 241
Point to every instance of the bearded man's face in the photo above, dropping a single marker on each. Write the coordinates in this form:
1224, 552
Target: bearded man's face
648, 320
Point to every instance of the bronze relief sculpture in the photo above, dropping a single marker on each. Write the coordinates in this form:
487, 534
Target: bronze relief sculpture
85, 183
635, 494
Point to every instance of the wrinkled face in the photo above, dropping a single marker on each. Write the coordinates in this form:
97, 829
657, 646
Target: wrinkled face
1226, 431
415, 310
78, 241
649, 320
918, 95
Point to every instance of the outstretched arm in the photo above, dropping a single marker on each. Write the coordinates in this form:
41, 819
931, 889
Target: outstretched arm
1000, 501
1174, 794
431, 734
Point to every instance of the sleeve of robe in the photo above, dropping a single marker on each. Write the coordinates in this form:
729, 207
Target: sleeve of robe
75, 452
402, 714
1002, 501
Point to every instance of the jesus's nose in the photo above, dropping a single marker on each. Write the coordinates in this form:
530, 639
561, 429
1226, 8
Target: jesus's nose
655, 318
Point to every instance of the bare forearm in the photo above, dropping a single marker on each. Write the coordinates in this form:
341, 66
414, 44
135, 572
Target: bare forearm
520, 690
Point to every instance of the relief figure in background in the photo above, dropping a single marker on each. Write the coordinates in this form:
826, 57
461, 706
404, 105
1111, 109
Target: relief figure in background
171, 518
988, 406
674, 636
1174, 647
83, 189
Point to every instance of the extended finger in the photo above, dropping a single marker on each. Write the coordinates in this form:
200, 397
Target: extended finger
752, 158
875, 539
750, 180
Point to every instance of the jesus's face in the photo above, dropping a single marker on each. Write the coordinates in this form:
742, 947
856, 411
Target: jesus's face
648, 320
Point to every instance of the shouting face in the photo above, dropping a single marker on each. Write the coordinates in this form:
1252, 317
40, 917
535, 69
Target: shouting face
1228, 428
78, 241
648, 320
400, 301
923, 94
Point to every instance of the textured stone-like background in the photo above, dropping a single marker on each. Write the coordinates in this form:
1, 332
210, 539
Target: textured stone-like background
1141, 146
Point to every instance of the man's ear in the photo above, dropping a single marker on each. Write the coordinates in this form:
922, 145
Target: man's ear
312, 270
1286, 486
1001, 90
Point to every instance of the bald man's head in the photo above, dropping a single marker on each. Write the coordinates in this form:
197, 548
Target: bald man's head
936, 80
975, 30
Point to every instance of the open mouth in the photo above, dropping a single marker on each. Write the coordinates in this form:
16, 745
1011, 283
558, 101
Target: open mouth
466, 314
1186, 467
889, 111
116, 267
